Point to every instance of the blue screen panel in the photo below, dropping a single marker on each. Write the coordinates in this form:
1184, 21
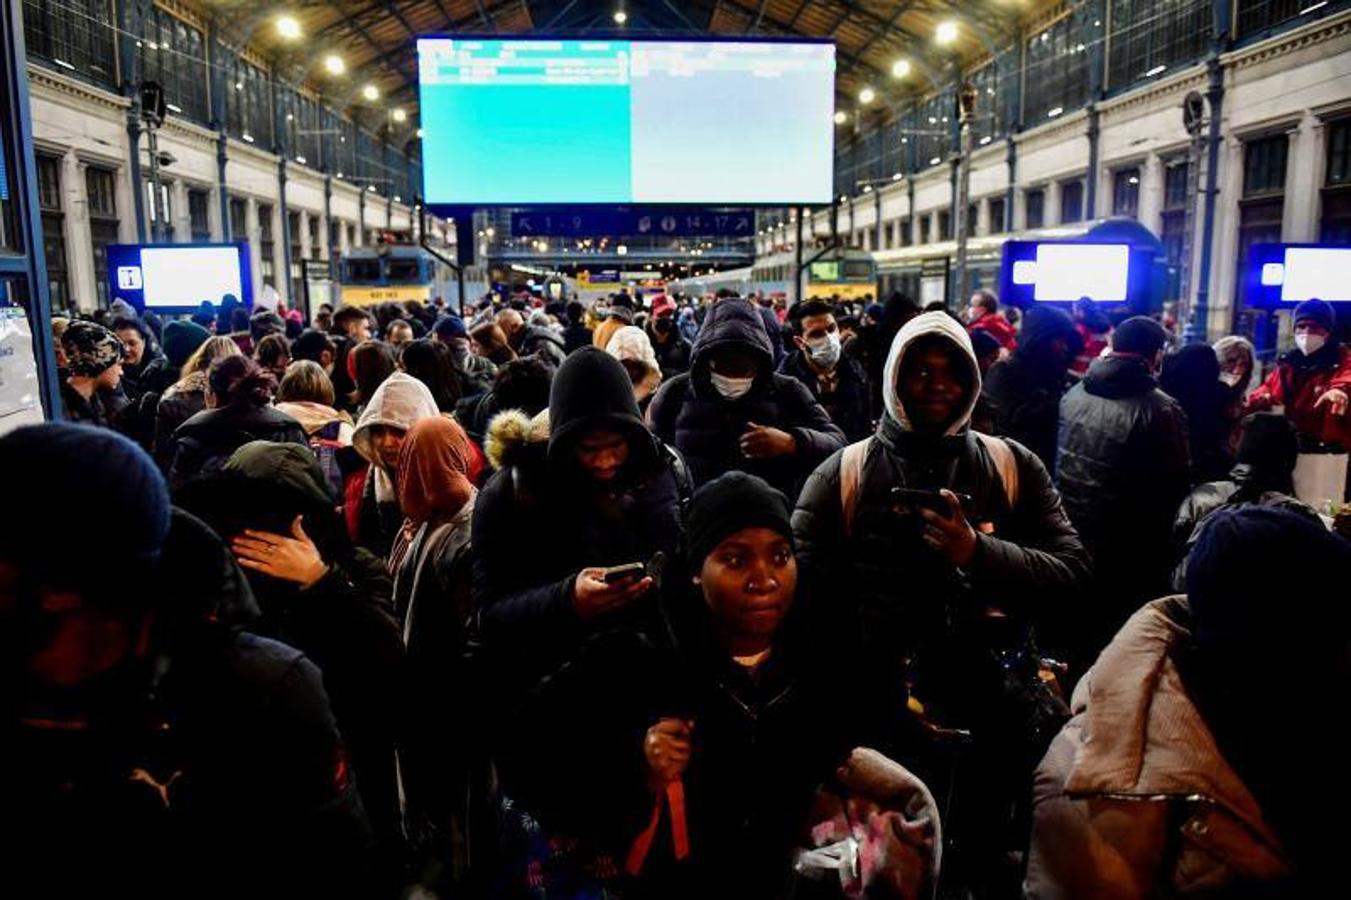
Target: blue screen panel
178, 277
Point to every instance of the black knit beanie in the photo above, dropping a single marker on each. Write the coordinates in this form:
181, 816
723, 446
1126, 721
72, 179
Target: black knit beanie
727, 504
1139, 335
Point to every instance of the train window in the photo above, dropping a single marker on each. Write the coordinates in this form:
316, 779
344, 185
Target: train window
402, 269
858, 268
363, 270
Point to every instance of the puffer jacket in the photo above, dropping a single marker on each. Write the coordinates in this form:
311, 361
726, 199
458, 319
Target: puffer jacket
544, 344
203, 443
1028, 555
183, 400
1134, 798
846, 403
689, 414
1298, 381
1123, 466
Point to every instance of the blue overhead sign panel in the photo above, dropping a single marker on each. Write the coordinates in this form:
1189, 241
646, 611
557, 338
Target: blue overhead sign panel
675, 222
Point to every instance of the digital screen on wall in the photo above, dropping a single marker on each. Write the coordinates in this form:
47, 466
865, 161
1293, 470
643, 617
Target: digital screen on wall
178, 277
515, 122
1286, 274
1064, 271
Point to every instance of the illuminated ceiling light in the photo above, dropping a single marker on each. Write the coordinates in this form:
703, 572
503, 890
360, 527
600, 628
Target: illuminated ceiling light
288, 27
371, 92
900, 68
935, 161
400, 115
985, 140
1054, 111
1157, 70
867, 95
621, 17
334, 64
946, 33
841, 117
622, 250
897, 177
419, 134
302, 160
867, 189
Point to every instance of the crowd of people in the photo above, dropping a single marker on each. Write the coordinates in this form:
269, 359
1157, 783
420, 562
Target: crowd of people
664, 596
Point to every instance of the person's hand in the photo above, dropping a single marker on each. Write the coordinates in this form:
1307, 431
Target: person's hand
950, 535
293, 559
762, 442
1335, 399
591, 596
666, 748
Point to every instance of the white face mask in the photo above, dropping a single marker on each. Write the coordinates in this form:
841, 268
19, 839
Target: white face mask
731, 388
825, 351
1309, 344
1231, 378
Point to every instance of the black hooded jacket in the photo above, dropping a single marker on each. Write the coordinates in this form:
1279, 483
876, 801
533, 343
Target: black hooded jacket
537, 525
257, 800
203, 443
688, 413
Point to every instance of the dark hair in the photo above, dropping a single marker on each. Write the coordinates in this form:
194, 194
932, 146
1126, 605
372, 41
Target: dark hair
137, 325
240, 381
264, 322
575, 311
311, 345
432, 363
349, 314
523, 384
850, 322
272, 349
372, 362
239, 319
806, 309
985, 299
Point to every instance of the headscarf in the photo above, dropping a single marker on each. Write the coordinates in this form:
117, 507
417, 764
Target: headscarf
398, 402
433, 481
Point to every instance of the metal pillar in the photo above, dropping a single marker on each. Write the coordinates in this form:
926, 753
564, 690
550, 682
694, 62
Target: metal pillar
1198, 326
215, 66
966, 107
128, 35
158, 208
797, 253
280, 148
1091, 188
1010, 196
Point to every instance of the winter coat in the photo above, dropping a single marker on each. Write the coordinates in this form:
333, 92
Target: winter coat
673, 355
774, 330
538, 522
1245, 486
1123, 467
343, 622
134, 377
1095, 340
233, 781
203, 443
183, 400
1022, 395
1298, 381
315, 417
543, 343
159, 375
606, 330
93, 411
847, 403
690, 415
576, 337
998, 327
1134, 798
1028, 555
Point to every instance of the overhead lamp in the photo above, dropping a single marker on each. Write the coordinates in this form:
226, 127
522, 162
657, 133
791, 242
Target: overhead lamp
946, 32
400, 115
841, 117
419, 134
334, 64
900, 68
897, 177
288, 26
621, 17
867, 95
371, 92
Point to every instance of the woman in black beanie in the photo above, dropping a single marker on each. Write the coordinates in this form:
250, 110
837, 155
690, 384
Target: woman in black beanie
695, 746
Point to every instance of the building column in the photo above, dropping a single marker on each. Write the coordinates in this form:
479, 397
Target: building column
1150, 207
216, 213
255, 251
1223, 250
1050, 204
178, 205
982, 216
1303, 178
306, 251
75, 232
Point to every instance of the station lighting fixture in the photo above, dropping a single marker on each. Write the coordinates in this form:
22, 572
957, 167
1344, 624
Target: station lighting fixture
1157, 70
946, 33
900, 68
399, 114
334, 65
621, 17
622, 250
841, 117
897, 177
419, 134
288, 26
1054, 111
371, 92
867, 95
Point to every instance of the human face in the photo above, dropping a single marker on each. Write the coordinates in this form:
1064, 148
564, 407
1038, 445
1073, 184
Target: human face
400, 334
749, 581
602, 453
135, 345
111, 377
359, 329
931, 386
1308, 326
815, 328
386, 441
1236, 366
734, 363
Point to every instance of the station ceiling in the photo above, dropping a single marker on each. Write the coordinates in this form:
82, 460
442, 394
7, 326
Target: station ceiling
375, 38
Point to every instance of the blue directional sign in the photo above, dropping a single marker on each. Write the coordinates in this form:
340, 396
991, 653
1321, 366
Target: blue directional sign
675, 222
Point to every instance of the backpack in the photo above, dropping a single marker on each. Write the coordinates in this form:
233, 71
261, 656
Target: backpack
326, 447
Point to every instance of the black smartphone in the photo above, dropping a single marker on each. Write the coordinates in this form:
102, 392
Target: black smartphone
626, 572
933, 501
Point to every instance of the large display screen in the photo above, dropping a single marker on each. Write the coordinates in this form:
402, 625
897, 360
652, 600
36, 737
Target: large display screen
178, 277
1062, 271
518, 122
1286, 274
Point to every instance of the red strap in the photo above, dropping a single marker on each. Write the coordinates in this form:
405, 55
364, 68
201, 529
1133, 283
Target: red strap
680, 835
643, 842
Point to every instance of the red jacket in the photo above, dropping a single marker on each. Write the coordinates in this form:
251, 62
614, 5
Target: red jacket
998, 328
1094, 343
1299, 391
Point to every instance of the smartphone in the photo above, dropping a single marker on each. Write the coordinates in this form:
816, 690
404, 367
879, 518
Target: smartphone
626, 572
930, 500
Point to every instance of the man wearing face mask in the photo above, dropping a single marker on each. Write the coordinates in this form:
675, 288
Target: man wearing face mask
837, 383
477, 372
733, 411
673, 351
1312, 381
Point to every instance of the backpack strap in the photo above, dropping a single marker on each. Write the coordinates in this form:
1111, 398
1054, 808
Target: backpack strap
851, 475
680, 471
1004, 462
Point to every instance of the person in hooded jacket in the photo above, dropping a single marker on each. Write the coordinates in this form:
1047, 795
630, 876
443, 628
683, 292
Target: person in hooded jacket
1263, 475
238, 410
733, 411
603, 494
152, 747
671, 347
836, 381
187, 396
1312, 381
141, 353
630, 345
1123, 466
948, 577
317, 592
371, 506
1191, 376
1022, 393
723, 713
1190, 769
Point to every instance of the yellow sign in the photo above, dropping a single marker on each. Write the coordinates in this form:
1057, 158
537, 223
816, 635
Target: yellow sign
353, 295
826, 290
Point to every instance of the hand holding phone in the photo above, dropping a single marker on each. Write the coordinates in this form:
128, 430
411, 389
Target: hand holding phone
592, 595
617, 574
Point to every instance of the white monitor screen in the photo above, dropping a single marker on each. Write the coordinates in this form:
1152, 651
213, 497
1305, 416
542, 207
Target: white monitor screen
521, 122
185, 276
1321, 272
1071, 271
